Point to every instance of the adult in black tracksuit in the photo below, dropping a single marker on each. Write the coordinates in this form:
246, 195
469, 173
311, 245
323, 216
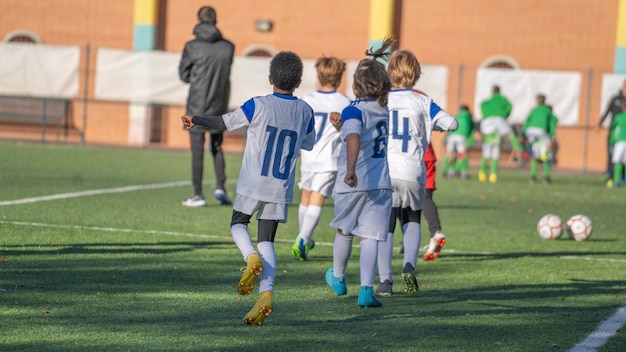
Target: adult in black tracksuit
205, 65
614, 108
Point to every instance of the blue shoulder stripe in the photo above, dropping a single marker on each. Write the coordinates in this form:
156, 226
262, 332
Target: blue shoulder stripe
434, 109
351, 112
248, 109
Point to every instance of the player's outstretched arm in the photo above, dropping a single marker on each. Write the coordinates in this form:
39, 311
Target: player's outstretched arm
187, 124
214, 122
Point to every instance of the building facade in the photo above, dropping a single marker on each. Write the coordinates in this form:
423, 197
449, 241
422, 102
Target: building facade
567, 35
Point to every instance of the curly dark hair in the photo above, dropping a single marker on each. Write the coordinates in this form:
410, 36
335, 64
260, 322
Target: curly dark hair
370, 78
286, 70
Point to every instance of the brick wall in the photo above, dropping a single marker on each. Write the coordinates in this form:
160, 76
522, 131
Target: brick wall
576, 35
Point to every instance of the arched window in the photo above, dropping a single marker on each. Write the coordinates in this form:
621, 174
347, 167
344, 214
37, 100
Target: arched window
259, 51
500, 62
22, 36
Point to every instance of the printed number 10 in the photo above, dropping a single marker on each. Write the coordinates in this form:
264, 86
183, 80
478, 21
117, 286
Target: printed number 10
275, 150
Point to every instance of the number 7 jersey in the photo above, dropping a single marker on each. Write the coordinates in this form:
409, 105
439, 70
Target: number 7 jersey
412, 117
278, 127
323, 157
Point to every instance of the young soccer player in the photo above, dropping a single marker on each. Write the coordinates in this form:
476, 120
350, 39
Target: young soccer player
456, 158
412, 118
539, 129
437, 238
618, 138
318, 167
279, 125
493, 127
431, 213
362, 193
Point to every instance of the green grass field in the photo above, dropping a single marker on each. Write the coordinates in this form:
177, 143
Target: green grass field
119, 268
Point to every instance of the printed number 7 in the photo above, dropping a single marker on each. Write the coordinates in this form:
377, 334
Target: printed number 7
324, 117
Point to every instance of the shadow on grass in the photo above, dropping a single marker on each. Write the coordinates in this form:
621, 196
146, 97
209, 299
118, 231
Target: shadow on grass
110, 248
513, 255
183, 297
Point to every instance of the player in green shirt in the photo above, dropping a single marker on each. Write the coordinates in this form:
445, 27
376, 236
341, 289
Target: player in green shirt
618, 139
457, 143
493, 127
539, 130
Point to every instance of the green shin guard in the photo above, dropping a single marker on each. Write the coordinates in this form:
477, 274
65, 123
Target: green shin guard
534, 166
494, 166
515, 143
483, 165
546, 170
617, 173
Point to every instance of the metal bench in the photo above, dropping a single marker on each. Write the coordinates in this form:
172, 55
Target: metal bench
35, 111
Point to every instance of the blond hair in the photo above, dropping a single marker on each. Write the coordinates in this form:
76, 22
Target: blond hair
404, 70
330, 71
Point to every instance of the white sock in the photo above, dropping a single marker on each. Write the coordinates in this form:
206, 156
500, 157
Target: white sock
385, 255
268, 258
309, 222
242, 239
367, 261
301, 213
411, 241
342, 249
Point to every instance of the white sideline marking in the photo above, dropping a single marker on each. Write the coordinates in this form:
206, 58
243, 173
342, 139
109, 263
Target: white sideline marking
593, 259
603, 332
149, 232
112, 229
94, 192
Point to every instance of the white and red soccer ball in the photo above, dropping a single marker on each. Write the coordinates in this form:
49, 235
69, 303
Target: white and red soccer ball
579, 227
550, 227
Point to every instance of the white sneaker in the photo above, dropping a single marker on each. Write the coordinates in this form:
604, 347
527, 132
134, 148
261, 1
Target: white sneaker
434, 247
195, 202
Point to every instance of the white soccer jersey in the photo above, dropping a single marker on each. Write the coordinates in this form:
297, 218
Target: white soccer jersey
370, 121
323, 157
278, 127
412, 117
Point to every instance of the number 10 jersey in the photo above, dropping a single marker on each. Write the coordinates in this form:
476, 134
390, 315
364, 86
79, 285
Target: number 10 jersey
278, 127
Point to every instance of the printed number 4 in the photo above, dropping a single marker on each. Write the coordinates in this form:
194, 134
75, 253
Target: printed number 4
405, 136
275, 150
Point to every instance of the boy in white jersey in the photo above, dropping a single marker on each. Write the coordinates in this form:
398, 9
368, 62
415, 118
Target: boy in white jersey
279, 125
412, 118
318, 167
362, 192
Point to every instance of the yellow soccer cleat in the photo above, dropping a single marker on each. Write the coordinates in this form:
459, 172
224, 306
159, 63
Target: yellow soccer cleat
261, 309
253, 269
493, 178
482, 176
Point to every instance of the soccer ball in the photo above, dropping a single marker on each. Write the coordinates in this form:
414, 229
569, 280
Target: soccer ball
579, 227
550, 227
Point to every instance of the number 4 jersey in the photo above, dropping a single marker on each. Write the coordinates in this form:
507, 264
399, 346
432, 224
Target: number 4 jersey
278, 127
412, 117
